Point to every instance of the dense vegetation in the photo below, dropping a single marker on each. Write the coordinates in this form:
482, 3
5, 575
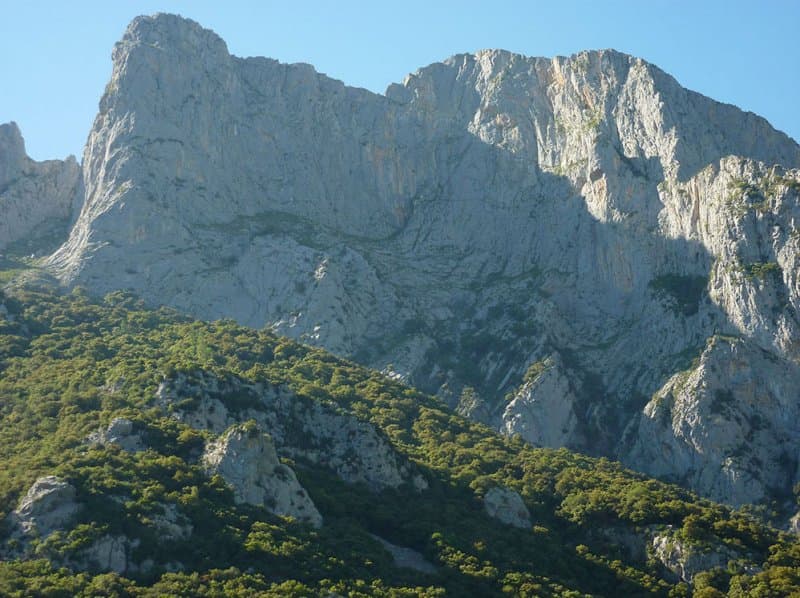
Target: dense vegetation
69, 364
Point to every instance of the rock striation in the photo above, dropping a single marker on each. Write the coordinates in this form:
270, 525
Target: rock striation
488, 212
542, 411
245, 457
37, 199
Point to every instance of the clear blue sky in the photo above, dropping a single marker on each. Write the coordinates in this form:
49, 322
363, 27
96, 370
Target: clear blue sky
55, 57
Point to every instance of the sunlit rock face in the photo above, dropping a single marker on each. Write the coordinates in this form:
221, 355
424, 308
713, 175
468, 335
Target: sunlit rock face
245, 457
488, 212
37, 199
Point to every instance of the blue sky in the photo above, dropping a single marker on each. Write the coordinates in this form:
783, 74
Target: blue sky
55, 57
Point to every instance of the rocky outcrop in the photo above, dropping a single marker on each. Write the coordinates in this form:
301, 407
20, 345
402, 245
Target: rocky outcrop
120, 432
507, 506
108, 554
48, 505
794, 524
407, 558
729, 425
171, 524
685, 560
37, 199
301, 428
245, 457
542, 411
489, 210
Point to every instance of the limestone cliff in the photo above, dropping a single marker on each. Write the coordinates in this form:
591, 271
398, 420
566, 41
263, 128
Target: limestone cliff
490, 211
37, 199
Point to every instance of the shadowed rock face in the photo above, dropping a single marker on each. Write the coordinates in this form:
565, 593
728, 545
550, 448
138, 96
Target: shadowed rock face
490, 211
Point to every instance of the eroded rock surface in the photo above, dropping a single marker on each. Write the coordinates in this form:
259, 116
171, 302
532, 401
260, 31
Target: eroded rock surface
542, 411
407, 558
507, 506
246, 459
48, 505
686, 560
121, 432
300, 427
489, 210
37, 199
729, 425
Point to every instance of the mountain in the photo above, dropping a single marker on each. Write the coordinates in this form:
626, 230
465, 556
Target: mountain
148, 454
576, 251
37, 199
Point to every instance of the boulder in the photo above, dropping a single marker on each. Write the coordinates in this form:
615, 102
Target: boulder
48, 505
507, 506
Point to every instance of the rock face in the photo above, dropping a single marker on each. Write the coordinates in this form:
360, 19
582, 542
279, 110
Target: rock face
245, 457
108, 553
729, 425
491, 210
507, 506
407, 558
684, 560
300, 427
542, 411
120, 432
794, 524
48, 505
37, 199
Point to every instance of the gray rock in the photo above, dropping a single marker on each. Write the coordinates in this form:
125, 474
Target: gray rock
686, 560
794, 524
171, 525
507, 506
730, 425
48, 505
36, 198
245, 457
120, 432
407, 558
542, 411
108, 554
300, 428
491, 209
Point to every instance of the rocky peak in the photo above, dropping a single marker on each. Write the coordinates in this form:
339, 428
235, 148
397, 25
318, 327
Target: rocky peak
491, 209
37, 199
12, 152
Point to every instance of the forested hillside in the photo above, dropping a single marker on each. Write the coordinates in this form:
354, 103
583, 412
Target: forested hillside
141, 513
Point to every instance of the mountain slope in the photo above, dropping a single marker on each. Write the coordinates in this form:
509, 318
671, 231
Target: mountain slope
111, 410
491, 214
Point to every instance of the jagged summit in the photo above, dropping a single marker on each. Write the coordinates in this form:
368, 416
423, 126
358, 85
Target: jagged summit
12, 152
172, 31
584, 219
37, 199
